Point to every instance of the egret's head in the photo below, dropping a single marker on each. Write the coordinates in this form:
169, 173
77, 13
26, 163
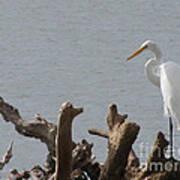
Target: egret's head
149, 45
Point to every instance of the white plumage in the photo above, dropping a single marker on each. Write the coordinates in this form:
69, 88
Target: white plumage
166, 76
170, 89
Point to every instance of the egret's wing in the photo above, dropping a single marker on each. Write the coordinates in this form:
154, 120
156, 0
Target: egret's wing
152, 72
170, 88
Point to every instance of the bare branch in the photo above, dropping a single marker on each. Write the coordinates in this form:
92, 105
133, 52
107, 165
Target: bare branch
38, 128
6, 157
99, 132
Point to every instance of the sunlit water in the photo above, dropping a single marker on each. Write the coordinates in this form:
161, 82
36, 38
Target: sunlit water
56, 51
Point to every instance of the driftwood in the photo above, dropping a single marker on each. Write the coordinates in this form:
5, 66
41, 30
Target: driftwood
114, 118
159, 167
133, 161
7, 156
38, 128
121, 162
83, 161
99, 132
82, 155
64, 141
119, 144
156, 156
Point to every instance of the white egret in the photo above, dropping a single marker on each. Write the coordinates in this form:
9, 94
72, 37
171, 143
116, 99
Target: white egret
165, 75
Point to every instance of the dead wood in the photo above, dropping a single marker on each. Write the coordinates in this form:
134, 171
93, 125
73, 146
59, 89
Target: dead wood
37, 173
158, 167
156, 156
99, 132
113, 117
133, 160
38, 128
82, 155
120, 143
7, 156
76, 161
114, 123
83, 161
64, 143
159, 147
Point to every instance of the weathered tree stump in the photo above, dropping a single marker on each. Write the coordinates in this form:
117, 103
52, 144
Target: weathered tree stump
120, 143
120, 137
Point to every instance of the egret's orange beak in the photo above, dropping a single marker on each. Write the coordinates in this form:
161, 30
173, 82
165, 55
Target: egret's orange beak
137, 52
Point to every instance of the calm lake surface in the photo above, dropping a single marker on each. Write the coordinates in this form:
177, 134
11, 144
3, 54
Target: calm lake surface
57, 51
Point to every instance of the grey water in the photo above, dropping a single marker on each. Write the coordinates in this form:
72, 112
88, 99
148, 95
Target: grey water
57, 51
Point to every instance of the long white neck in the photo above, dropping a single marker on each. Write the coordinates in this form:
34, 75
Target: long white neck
152, 70
152, 66
157, 55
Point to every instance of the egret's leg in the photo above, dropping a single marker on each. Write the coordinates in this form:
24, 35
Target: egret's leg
171, 137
